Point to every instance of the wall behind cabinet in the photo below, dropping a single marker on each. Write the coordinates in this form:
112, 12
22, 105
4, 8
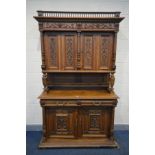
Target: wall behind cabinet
34, 83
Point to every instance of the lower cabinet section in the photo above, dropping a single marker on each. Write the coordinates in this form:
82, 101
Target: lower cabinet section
78, 125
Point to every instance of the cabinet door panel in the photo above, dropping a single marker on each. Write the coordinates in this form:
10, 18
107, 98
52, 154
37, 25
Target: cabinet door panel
95, 122
105, 51
69, 51
88, 51
52, 50
60, 122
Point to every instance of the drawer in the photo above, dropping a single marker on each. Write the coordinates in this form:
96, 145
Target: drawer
75, 103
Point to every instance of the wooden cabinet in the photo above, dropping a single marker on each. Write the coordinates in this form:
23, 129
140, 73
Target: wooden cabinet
78, 63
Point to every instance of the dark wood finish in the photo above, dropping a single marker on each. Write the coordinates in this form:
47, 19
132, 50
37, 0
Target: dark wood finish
78, 64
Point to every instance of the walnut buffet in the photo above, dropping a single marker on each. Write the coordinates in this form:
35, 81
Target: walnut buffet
78, 65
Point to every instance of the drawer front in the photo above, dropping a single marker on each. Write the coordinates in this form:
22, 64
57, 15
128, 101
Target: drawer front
78, 103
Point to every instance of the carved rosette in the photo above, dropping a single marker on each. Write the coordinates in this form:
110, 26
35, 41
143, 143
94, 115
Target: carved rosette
61, 123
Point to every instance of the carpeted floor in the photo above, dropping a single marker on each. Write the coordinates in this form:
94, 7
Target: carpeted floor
33, 139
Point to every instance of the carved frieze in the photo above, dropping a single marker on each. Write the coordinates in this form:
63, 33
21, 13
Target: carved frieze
74, 26
57, 103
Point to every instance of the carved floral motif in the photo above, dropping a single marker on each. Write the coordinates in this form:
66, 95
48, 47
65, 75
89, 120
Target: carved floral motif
94, 121
61, 122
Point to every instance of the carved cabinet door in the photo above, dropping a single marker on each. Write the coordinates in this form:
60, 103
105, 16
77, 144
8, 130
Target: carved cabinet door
88, 51
105, 51
51, 50
95, 122
97, 50
60, 122
69, 50
60, 50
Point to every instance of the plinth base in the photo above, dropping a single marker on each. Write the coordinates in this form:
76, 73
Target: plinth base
75, 143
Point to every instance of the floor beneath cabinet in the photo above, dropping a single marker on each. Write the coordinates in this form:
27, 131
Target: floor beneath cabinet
33, 139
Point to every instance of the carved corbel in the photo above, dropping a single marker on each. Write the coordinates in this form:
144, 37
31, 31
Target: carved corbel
111, 82
45, 82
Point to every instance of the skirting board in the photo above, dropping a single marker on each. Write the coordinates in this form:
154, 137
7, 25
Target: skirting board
38, 127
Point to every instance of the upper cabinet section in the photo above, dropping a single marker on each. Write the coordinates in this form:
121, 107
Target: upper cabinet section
78, 51
78, 41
